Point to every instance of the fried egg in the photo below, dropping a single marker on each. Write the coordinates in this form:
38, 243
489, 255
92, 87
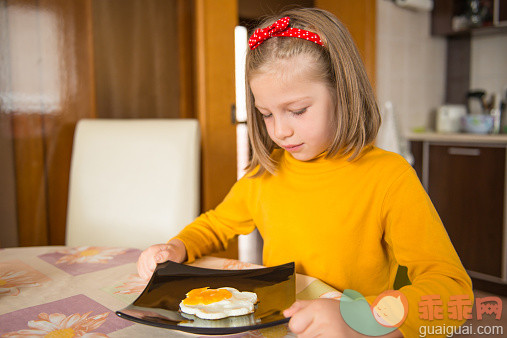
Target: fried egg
218, 303
194, 321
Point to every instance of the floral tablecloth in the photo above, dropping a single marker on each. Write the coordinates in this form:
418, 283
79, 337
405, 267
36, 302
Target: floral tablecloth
74, 292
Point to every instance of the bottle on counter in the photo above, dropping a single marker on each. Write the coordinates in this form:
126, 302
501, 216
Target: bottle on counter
494, 110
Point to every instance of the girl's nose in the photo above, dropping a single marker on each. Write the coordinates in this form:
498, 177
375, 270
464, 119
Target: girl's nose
282, 129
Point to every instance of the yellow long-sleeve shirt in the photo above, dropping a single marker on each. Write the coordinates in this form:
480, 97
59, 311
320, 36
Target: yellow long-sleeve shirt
349, 224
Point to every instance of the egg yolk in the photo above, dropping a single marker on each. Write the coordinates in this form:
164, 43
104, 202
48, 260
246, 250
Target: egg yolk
206, 296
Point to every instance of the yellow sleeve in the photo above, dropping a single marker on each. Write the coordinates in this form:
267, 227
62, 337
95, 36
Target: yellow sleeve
212, 230
418, 240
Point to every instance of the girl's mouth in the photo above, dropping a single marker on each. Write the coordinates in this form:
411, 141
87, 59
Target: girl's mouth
293, 147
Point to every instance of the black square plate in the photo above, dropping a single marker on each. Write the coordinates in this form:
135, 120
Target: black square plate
158, 304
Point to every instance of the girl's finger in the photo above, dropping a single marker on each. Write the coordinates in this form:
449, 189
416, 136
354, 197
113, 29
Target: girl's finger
296, 306
144, 272
162, 256
301, 319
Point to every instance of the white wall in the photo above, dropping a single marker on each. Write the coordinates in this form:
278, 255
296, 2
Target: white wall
489, 63
410, 65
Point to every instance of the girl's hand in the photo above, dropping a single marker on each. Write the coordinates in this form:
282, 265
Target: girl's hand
174, 250
322, 318
318, 318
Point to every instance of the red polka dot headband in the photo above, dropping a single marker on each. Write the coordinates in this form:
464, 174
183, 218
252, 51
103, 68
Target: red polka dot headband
281, 28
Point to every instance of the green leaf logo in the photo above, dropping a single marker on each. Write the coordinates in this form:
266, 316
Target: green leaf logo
385, 315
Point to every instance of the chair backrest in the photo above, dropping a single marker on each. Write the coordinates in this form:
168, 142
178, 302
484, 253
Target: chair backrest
133, 183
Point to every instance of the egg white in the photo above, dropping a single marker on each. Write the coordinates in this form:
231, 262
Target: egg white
240, 303
234, 321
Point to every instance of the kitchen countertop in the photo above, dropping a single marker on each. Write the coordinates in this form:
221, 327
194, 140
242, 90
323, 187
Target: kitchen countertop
457, 137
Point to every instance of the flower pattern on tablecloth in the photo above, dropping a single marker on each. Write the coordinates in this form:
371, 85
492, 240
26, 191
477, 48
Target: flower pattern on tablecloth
59, 325
89, 254
80, 260
15, 275
11, 281
135, 285
331, 295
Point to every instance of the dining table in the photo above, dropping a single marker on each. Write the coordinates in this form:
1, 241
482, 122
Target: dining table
63, 291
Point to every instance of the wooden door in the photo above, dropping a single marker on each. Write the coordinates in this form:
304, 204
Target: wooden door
214, 23
360, 18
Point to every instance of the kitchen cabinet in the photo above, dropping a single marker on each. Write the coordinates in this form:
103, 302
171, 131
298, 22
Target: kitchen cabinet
453, 17
467, 185
444, 16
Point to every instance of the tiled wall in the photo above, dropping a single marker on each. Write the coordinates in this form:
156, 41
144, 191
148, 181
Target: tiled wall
410, 65
489, 63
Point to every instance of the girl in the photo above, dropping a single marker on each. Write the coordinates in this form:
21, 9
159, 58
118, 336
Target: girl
319, 192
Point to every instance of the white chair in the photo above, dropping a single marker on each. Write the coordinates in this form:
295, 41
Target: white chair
133, 183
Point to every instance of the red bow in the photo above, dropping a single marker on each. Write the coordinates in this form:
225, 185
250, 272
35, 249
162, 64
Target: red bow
281, 28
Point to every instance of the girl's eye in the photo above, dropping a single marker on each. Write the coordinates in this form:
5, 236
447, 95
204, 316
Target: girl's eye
299, 112
264, 115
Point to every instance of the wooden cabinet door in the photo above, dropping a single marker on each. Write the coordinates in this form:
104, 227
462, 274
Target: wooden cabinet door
466, 185
215, 94
360, 19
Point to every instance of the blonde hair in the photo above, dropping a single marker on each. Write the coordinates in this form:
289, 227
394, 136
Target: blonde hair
338, 64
